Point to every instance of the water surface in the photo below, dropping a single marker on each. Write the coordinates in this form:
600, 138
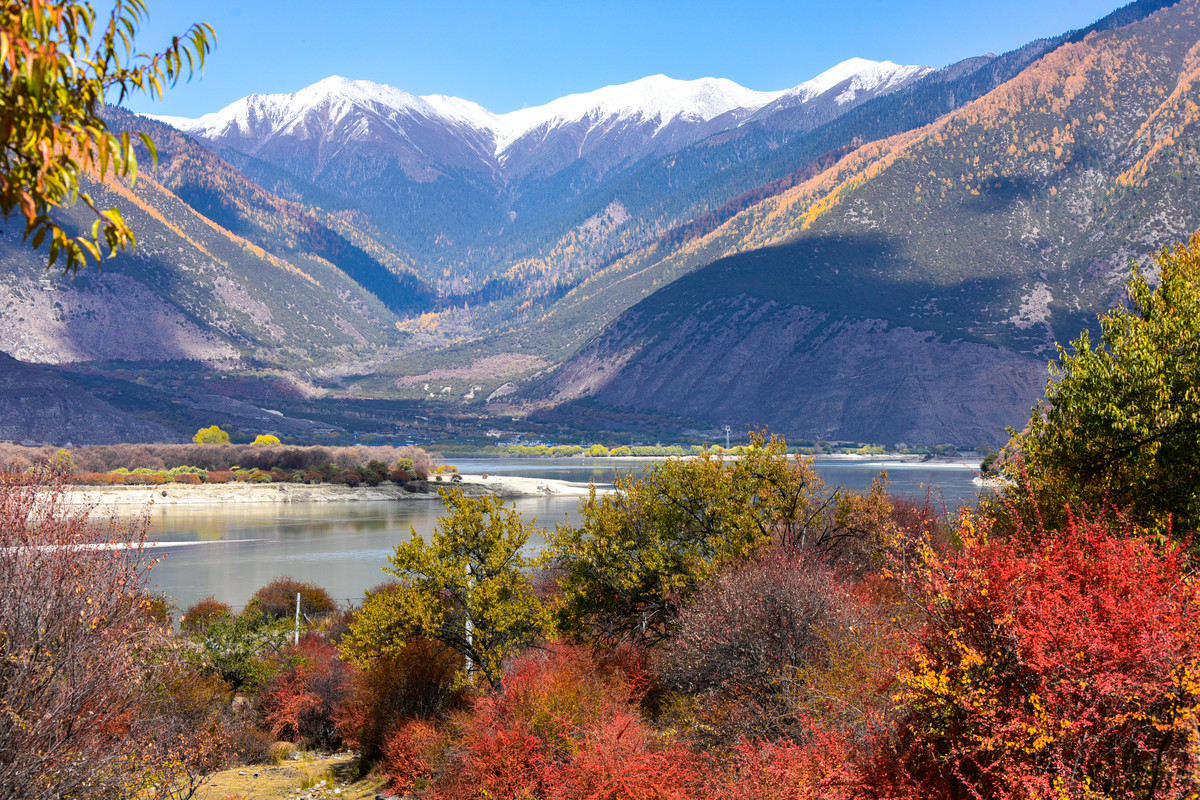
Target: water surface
230, 550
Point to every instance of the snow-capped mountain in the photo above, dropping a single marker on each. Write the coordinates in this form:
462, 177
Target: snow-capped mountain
607, 126
442, 175
834, 91
306, 130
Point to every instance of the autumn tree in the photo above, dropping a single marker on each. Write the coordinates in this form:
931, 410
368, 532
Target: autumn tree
641, 551
266, 440
756, 651
1050, 664
468, 588
60, 62
211, 435
1120, 423
277, 600
83, 660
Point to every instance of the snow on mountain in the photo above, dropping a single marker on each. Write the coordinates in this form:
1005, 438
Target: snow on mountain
355, 108
336, 98
864, 76
654, 98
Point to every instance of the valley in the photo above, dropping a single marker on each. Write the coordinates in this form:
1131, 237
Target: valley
882, 254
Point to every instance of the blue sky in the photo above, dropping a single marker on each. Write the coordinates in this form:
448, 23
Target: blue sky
528, 52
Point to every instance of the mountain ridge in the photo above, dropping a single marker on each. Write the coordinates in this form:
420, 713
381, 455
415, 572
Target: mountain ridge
652, 97
358, 268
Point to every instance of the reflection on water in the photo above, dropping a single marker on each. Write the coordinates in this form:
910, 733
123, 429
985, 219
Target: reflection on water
230, 550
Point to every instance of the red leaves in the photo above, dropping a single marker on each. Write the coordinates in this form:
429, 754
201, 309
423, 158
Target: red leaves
787, 770
620, 759
562, 728
81, 660
1052, 662
300, 702
409, 754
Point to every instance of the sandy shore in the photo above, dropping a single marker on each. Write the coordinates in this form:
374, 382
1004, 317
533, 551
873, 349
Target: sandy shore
207, 494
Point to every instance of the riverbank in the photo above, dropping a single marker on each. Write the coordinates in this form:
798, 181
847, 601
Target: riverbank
507, 487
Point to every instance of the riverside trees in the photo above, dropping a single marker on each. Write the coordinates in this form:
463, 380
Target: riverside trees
467, 588
1120, 423
642, 551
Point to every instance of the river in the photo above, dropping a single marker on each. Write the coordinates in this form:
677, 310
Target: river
229, 551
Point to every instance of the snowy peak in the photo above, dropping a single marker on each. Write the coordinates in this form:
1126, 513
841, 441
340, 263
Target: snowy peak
338, 110
863, 74
334, 100
654, 98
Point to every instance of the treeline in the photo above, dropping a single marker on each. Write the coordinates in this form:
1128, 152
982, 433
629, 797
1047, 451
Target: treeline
211, 457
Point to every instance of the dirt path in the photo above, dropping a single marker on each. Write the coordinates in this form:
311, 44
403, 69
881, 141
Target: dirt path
293, 779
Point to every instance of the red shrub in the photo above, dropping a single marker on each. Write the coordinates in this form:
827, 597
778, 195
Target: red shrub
921, 520
95, 479
200, 614
495, 761
620, 759
1059, 664
416, 682
152, 479
298, 704
750, 642
277, 599
188, 478
219, 476
786, 770
410, 755
564, 726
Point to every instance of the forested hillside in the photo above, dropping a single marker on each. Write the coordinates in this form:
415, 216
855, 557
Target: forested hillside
972, 244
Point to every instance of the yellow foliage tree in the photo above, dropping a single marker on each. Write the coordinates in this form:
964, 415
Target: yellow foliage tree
211, 435
59, 62
468, 588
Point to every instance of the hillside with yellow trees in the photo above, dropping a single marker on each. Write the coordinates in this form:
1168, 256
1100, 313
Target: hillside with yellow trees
915, 289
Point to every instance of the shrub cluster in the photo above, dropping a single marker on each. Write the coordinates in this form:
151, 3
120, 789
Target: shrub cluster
302, 468
156, 457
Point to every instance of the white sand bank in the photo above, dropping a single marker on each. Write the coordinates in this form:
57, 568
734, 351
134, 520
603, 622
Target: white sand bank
507, 487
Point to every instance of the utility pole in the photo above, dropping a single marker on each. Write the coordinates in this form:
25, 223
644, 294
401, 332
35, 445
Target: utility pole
726, 437
296, 635
470, 628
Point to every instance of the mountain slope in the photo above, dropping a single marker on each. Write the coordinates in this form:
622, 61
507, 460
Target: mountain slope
39, 407
960, 251
469, 191
193, 289
753, 163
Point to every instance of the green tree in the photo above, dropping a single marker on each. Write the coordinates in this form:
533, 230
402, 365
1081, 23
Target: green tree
467, 588
1120, 422
211, 435
59, 62
641, 551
